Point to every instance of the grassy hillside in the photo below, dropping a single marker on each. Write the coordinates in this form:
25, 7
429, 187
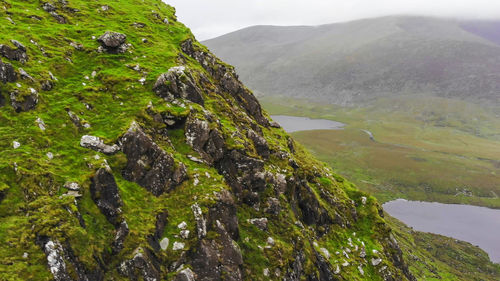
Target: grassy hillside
356, 62
130, 152
429, 149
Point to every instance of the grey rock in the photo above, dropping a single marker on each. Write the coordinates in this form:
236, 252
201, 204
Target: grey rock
24, 102
18, 54
7, 73
104, 192
148, 165
260, 143
97, 144
113, 42
260, 223
185, 275
201, 224
178, 82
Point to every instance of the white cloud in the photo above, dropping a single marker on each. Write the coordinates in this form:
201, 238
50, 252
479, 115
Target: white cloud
210, 18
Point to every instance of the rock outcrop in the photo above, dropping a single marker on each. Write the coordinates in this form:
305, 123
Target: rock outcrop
18, 54
113, 42
178, 82
200, 187
149, 165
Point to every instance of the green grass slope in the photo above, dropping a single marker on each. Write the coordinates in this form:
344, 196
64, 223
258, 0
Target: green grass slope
226, 196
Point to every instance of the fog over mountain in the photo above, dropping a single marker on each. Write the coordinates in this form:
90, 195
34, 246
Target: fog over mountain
356, 62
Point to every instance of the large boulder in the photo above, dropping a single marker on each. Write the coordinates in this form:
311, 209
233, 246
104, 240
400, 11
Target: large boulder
97, 144
148, 165
24, 101
113, 42
7, 73
104, 192
178, 82
18, 54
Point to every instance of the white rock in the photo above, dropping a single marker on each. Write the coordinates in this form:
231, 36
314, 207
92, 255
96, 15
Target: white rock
16, 144
325, 253
201, 226
184, 233
182, 225
376, 262
270, 241
25, 255
360, 268
164, 244
178, 246
337, 270
266, 272
346, 263
40, 123
97, 144
363, 200
50, 155
185, 275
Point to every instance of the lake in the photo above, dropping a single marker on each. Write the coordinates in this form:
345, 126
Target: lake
479, 226
294, 124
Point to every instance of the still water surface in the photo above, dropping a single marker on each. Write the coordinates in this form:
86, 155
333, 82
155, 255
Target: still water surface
479, 226
294, 124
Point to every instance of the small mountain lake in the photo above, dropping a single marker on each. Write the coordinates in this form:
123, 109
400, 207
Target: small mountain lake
479, 226
294, 124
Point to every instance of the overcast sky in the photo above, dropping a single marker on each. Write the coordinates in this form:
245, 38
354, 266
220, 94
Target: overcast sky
211, 18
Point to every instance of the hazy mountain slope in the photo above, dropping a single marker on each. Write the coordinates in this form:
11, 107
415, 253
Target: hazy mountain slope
357, 61
130, 152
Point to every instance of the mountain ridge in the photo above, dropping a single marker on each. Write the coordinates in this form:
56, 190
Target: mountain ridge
355, 62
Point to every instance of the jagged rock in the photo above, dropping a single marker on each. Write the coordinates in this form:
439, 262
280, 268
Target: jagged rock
178, 82
121, 233
185, 275
218, 258
18, 54
97, 144
178, 246
113, 42
311, 210
260, 143
280, 184
273, 206
51, 9
140, 265
201, 224
7, 72
77, 121
224, 211
55, 260
25, 75
209, 143
24, 102
148, 165
72, 186
227, 79
376, 262
260, 223
104, 192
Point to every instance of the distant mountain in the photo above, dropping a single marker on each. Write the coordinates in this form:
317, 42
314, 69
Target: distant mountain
349, 63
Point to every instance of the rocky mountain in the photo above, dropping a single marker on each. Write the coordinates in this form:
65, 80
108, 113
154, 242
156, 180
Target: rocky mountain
357, 62
130, 152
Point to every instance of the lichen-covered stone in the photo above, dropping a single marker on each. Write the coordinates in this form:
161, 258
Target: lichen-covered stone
149, 165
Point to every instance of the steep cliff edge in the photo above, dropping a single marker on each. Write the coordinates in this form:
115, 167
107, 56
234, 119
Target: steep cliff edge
130, 152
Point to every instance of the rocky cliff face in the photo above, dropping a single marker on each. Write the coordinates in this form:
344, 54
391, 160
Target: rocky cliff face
130, 152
